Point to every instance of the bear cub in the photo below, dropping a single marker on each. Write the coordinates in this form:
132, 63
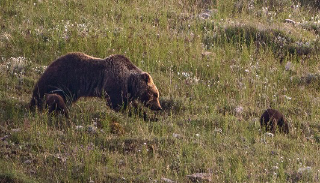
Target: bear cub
271, 119
56, 104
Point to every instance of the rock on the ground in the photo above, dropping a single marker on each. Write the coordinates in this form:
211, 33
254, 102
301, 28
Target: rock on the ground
166, 180
200, 177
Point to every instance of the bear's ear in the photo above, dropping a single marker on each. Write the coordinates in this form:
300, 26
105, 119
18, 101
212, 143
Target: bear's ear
146, 77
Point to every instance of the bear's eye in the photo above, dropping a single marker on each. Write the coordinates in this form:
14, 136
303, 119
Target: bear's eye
155, 95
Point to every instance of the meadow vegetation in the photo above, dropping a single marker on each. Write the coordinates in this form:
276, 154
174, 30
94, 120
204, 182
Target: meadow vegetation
217, 64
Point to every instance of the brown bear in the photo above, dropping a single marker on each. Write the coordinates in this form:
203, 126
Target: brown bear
56, 104
114, 78
272, 118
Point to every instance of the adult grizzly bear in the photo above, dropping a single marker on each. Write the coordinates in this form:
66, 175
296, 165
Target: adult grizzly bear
272, 118
55, 103
115, 78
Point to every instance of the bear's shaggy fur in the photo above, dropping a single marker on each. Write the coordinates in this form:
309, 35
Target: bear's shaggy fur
56, 104
272, 118
115, 78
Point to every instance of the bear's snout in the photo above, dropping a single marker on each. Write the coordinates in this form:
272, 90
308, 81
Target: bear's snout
155, 105
156, 108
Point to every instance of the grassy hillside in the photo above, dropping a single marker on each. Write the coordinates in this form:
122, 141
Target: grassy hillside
217, 64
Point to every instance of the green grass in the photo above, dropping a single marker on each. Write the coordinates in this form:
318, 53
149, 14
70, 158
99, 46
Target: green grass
215, 76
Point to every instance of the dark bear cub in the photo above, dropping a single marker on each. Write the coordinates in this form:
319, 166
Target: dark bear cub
56, 104
115, 78
271, 119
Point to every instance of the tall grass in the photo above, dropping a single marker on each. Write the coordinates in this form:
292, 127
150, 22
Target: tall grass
217, 65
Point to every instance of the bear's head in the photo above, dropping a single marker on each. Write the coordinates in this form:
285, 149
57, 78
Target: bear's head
284, 126
146, 91
55, 103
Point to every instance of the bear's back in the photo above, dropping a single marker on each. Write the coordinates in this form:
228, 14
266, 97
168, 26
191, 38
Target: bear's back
270, 115
275, 114
76, 60
80, 60
122, 62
